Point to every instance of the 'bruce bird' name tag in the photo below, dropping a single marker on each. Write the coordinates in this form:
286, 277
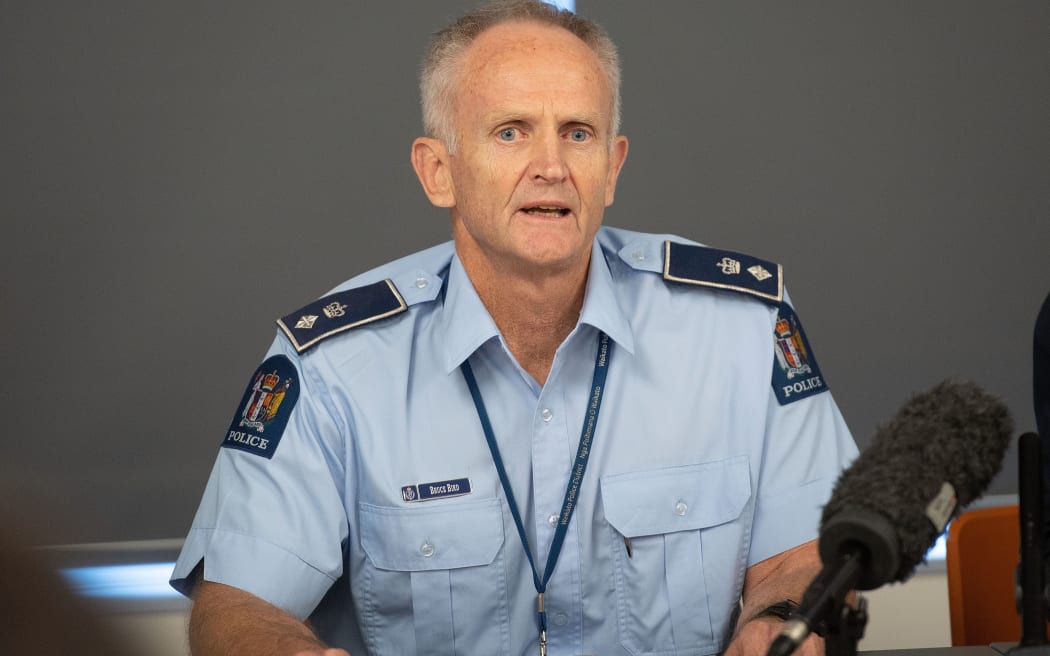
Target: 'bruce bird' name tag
456, 487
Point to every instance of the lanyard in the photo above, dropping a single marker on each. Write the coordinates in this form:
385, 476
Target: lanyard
590, 421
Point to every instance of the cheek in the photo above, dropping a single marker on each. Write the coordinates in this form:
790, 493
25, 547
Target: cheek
592, 182
481, 190
483, 172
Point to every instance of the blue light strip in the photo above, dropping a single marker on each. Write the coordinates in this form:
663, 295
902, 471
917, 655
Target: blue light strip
150, 580
563, 4
140, 581
939, 550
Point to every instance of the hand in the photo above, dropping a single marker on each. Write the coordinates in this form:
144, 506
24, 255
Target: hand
755, 637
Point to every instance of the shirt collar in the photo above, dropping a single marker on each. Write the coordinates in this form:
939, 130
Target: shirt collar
468, 325
601, 306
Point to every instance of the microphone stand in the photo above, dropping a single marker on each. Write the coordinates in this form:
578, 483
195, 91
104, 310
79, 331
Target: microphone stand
824, 610
845, 628
1030, 571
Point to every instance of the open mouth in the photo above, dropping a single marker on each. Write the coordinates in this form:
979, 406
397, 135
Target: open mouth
545, 211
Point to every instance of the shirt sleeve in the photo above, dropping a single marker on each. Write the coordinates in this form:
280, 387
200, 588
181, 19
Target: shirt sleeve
274, 524
807, 445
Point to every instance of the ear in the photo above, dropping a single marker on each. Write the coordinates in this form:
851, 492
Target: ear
617, 155
430, 160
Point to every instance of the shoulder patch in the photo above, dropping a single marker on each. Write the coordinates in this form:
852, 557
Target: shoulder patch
795, 372
341, 311
709, 267
261, 417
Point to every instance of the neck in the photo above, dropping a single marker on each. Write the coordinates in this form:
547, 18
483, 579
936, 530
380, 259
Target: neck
534, 313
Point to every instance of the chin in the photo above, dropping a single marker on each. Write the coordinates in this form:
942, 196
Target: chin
552, 260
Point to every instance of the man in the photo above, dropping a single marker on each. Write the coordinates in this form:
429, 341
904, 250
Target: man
546, 435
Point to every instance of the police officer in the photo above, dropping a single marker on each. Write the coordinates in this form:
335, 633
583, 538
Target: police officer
546, 436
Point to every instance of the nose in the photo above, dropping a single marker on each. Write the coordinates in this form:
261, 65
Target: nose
548, 163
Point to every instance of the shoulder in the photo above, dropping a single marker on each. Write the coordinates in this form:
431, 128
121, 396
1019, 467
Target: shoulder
680, 261
687, 264
377, 294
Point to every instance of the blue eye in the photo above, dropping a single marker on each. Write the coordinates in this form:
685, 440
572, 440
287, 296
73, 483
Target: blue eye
508, 134
579, 135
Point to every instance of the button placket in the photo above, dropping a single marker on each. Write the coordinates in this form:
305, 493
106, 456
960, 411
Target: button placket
551, 462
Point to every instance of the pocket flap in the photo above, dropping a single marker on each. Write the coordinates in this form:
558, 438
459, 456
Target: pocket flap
418, 539
670, 499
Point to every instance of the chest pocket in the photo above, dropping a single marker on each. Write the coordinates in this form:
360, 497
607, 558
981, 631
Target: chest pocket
680, 535
435, 572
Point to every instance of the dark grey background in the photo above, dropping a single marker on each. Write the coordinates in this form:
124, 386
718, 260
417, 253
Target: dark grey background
178, 174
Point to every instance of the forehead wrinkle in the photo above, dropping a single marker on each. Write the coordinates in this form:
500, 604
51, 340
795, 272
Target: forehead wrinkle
491, 71
516, 97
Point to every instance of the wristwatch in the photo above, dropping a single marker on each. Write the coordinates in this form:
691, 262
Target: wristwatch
781, 610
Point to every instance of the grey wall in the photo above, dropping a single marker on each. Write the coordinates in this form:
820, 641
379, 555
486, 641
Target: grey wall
175, 175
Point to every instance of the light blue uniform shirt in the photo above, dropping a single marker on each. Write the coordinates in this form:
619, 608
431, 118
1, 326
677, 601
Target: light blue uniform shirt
695, 461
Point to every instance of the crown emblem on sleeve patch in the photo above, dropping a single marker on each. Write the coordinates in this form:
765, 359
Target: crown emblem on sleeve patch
333, 310
795, 372
264, 410
267, 395
729, 266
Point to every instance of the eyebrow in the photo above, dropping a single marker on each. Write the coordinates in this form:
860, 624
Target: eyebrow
497, 116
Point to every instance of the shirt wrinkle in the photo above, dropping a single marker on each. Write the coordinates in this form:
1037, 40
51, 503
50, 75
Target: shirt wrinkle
674, 506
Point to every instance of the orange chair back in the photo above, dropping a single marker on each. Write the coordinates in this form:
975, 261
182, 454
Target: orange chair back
982, 555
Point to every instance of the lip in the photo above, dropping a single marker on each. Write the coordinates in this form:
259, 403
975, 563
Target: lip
564, 210
546, 202
544, 218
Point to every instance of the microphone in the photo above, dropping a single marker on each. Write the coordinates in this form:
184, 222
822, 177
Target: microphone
938, 453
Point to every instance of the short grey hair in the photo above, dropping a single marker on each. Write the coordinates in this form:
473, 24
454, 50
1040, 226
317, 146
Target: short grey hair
441, 63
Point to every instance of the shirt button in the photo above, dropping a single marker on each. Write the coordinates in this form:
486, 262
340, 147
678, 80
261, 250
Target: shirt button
427, 549
547, 414
638, 255
561, 619
681, 508
552, 520
421, 282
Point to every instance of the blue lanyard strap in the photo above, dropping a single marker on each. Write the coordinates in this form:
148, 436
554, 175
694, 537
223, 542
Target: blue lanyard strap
590, 422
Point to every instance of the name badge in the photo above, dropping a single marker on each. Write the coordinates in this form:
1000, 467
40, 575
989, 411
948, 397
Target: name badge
456, 487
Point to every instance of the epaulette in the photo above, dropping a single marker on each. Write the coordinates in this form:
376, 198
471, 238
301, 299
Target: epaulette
709, 267
341, 311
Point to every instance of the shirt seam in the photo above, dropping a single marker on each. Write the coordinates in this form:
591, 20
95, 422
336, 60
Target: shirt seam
271, 543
